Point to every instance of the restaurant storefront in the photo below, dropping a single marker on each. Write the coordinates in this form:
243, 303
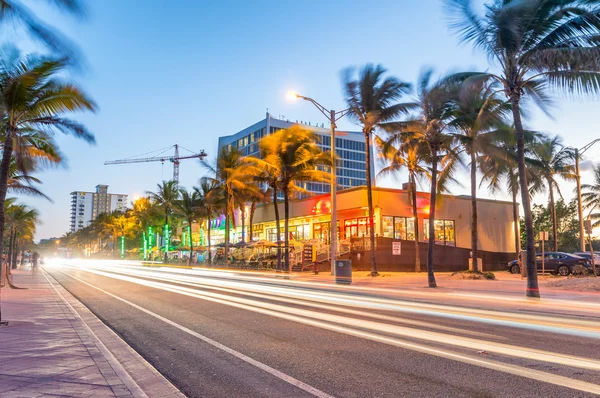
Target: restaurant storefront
310, 221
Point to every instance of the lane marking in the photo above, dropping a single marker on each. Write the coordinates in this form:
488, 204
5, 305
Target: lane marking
272, 371
488, 364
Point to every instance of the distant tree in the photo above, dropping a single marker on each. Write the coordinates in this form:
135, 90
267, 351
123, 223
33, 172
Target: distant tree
165, 198
554, 161
567, 227
591, 197
189, 208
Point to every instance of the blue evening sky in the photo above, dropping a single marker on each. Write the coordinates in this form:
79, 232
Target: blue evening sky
188, 71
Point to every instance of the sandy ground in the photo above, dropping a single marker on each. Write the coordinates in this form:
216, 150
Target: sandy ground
587, 284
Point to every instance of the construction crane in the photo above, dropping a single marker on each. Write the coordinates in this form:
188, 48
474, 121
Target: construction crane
175, 159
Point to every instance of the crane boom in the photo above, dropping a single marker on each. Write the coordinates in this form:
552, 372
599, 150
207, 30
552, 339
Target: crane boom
175, 159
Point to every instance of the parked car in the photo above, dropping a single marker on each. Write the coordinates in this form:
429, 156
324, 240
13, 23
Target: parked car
555, 262
588, 257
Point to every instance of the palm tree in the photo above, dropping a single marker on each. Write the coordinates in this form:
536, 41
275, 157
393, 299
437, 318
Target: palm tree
554, 160
591, 197
209, 198
33, 99
413, 157
165, 198
295, 154
434, 103
232, 174
372, 102
261, 194
145, 214
478, 113
188, 207
15, 10
499, 170
268, 173
538, 44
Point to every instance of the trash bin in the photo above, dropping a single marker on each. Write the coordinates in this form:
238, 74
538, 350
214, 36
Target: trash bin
343, 272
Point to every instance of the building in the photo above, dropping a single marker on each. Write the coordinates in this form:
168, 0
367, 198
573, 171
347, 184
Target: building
350, 147
310, 222
86, 206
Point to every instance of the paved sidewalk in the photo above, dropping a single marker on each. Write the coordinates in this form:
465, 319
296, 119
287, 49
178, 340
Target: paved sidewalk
54, 346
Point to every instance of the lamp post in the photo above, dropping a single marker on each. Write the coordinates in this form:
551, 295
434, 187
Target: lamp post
333, 117
578, 154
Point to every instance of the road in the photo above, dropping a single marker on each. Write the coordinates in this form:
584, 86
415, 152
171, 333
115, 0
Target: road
221, 334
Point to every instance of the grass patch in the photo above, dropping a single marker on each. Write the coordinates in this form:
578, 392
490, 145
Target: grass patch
474, 275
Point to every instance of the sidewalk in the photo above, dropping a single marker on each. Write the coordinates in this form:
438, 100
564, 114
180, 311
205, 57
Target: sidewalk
54, 346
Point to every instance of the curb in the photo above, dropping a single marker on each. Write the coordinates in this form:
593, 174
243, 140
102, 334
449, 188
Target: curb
138, 376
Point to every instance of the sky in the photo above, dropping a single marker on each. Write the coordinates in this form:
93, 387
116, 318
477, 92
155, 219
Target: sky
189, 71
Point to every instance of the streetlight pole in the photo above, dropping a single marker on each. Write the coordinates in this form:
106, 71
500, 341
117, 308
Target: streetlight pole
578, 154
333, 117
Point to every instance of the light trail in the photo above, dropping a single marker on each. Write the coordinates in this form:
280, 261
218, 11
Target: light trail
356, 328
549, 324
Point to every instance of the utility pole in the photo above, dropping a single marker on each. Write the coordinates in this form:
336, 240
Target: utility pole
578, 154
333, 117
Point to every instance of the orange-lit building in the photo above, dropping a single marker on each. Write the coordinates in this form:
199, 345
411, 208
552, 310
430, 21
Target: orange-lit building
310, 220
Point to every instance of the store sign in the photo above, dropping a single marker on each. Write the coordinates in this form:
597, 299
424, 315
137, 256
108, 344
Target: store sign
396, 248
322, 207
308, 255
258, 227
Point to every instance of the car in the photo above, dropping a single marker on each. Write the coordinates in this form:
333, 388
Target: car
588, 257
555, 262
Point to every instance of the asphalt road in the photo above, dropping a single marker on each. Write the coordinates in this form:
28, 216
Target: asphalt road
217, 334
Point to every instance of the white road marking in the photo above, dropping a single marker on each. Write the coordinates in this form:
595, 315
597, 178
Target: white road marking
274, 372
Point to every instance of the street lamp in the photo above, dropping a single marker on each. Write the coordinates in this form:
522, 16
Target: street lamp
333, 117
578, 154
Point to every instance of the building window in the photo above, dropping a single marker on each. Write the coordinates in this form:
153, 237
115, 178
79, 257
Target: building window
399, 227
357, 227
444, 232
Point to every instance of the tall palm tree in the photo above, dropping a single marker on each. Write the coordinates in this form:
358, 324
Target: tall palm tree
261, 194
296, 155
165, 198
209, 197
413, 157
478, 113
430, 129
537, 44
372, 100
188, 207
554, 160
591, 197
232, 173
33, 98
268, 173
145, 214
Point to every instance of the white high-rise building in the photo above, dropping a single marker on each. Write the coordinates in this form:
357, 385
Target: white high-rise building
86, 206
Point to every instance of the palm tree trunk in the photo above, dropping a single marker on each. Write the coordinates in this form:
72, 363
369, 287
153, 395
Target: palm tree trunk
432, 201
166, 241
369, 204
7, 152
278, 227
15, 251
532, 281
251, 221
227, 211
191, 242
516, 223
243, 216
208, 233
286, 227
474, 242
11, 244
554, 220
413, 188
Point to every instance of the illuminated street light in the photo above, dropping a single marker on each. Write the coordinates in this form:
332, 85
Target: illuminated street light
333, 117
